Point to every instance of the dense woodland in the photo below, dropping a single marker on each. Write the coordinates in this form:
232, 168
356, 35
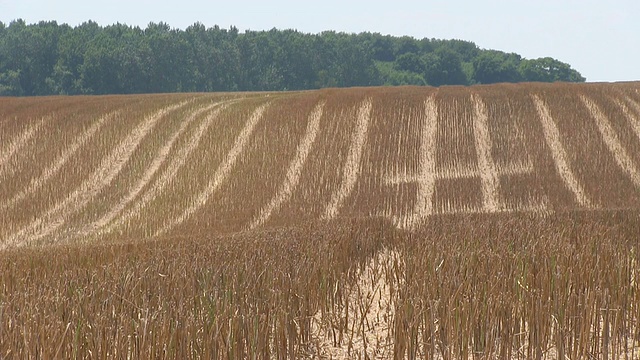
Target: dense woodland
50, 58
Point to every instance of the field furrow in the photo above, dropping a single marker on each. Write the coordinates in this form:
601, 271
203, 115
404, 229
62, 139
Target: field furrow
221, 174
553, 139
351, 169
295, 168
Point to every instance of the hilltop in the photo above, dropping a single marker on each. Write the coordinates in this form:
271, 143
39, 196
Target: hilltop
150, 165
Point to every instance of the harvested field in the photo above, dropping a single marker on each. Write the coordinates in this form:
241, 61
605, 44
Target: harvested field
485, 222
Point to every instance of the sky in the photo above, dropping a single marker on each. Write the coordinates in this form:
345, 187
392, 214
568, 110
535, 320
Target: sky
600, 39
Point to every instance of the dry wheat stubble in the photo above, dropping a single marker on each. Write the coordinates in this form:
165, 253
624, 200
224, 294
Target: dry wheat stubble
160, 159
109, 168
58, 163
351, 169
612, 141
561, 160
18, 143
222, 172
295, 168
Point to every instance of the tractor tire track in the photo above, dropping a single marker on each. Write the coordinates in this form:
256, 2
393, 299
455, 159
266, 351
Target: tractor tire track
62, 159
486, 167
351, 169
427, 163
612, 141
633, 120
17, 144
109, 168
166, 177
295, 168
560, 158
222, 172
158, 160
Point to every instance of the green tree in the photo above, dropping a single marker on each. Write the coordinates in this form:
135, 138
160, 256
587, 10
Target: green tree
72, 46
98, 72
406, 44
548, 70
443, 67
29, 54
390, 75
47, 58
411, 62
382, 46
495, 67
168, 64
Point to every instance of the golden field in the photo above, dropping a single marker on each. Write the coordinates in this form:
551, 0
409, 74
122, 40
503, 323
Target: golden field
485, 222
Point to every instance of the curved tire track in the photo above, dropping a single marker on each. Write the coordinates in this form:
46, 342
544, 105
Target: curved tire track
633, 120
221, 173
351, 169
62, 159
158, 160
295, 168
612, 141
109, 168
560, 158
18, 143
108, 225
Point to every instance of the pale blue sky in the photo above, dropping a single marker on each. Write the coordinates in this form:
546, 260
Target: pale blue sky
599, 38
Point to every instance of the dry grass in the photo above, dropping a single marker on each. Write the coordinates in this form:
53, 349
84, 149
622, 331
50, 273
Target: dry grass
465, 286
488, 222
243, 296
521, 287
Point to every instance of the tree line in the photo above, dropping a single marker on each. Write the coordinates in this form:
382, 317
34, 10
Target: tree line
48, 58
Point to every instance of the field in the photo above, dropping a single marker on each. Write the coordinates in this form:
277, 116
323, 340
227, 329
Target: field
485, 222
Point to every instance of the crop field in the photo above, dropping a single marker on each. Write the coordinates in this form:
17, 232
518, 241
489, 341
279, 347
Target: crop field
484, 222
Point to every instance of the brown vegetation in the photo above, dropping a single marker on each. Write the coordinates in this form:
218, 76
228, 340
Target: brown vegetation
453, 223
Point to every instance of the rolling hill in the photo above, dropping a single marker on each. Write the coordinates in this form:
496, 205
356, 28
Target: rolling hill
478, 222
92, 169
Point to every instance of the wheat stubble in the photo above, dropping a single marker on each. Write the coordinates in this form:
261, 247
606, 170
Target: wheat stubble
54, 168
109, 168
295, 168
560, 158
222, 172
351, 169
612, 141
